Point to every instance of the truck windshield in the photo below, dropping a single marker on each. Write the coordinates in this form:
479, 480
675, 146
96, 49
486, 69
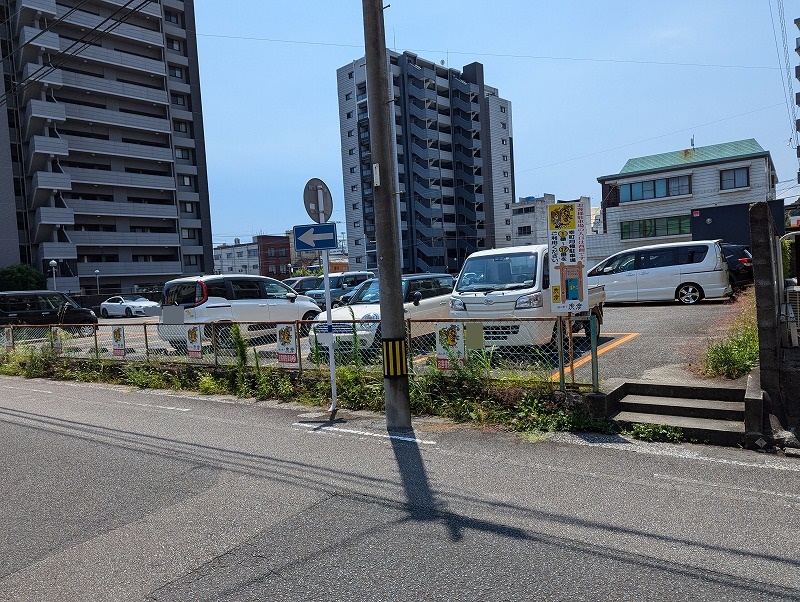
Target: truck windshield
498, 272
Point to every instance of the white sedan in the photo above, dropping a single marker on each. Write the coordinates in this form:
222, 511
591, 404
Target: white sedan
128, 306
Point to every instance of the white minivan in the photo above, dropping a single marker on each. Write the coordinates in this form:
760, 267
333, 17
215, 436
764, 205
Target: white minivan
686, 271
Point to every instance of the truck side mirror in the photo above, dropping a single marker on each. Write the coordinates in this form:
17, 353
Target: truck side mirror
416, 298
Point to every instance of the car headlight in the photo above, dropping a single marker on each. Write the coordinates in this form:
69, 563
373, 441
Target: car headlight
529, 301
91, 311
457, 304
369, 326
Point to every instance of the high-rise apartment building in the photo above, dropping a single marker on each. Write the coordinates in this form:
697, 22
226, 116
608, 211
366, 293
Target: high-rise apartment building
102, 157
454, 167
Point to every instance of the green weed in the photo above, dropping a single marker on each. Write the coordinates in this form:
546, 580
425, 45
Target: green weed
656, 432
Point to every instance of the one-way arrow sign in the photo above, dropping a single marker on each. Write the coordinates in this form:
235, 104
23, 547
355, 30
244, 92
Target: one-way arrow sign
315, 237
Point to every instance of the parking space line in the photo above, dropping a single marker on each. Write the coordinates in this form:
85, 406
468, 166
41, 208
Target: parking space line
626, 336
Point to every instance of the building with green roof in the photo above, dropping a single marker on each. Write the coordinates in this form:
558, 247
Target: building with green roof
697, 193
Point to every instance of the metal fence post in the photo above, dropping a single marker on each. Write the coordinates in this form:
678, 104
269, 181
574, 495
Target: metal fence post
146, 344
561, 377
595, 366
215, 344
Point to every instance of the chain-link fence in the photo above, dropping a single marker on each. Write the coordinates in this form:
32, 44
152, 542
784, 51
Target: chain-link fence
546, 346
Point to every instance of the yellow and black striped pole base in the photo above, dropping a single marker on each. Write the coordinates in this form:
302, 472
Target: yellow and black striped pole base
394, 358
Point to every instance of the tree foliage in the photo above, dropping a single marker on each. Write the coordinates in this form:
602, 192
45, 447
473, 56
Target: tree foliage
21, 277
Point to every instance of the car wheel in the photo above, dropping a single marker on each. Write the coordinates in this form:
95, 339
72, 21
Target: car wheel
689, 294
305, 327
104, 312
128, 312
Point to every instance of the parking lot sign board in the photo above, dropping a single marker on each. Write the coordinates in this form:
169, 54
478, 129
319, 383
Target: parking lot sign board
567, 241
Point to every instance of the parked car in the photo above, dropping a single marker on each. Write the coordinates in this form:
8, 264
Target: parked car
686, 271
339, 284
46, 308
128, 306
257, 302
303, 284
426, 297
740, 264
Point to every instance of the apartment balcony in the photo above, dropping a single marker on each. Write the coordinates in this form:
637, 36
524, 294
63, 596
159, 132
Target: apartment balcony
44, 184
151, 9
121, 179
41, 149
193, 250
81, 207
38, 114
161, 269
58, 250
93, 146
48, 219
191, 222
28, 51
113, 88
28, 9
104, 56
38, 77
115, 118
125, 239
110, 29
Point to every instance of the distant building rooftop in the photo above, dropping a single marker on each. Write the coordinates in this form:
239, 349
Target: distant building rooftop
727, 151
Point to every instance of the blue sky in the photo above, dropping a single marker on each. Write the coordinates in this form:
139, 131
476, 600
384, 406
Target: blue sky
591, 85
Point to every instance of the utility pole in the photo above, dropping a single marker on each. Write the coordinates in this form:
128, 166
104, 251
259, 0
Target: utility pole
387, 235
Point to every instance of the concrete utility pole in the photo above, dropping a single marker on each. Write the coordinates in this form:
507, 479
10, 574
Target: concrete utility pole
387, 235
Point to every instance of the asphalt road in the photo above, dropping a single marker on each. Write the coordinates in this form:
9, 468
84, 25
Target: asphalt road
114, 494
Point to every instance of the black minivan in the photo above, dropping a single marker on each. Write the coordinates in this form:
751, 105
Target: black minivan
45, 308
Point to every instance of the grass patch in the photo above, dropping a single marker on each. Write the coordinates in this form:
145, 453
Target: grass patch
736, 354
655, 432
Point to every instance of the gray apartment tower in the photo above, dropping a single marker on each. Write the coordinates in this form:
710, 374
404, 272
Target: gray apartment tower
454, 171
102, 156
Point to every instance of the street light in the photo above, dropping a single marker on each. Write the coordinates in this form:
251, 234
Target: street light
97, 280
53, 265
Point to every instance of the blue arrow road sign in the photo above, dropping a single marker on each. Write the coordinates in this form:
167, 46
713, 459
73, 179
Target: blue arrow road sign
315, 237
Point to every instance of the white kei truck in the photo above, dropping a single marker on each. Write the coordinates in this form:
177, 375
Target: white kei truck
513, 283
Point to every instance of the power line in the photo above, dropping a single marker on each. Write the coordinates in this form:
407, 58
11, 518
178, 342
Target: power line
786, 82
600, 152
494, 54
68, 53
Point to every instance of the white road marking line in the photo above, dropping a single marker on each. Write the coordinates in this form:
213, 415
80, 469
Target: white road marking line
318, 427
27, 389
738, 489
149, 405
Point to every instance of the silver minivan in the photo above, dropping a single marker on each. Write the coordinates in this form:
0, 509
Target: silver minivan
686, 271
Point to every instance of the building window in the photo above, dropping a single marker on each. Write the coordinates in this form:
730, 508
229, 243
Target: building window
179, 100
734, 178
352, 151
185, 180
357, 242
359, 259
505, 189
348, 96
190, 259
652, 228
508, 205
176, 72
355, 205
187, 207
352, 170
357, 224
188, 233
350, 75
239, 253
174, 44
655, 189
171, 17
354, 187
505, 157
502, 109
180, 126
351, 133
508, 222
505, 174
503, 141
349, 114
508, 237
503, 125
524, 231
183, 153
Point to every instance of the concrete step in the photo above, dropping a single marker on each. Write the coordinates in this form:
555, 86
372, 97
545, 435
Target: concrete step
677, 406
703, 430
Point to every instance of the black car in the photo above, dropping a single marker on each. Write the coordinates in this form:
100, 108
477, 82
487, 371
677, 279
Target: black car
45, 308
740, 264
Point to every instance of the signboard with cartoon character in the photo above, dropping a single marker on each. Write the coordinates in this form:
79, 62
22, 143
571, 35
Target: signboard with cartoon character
118, 341
569, 287
287, 344
194, 342
449, 345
